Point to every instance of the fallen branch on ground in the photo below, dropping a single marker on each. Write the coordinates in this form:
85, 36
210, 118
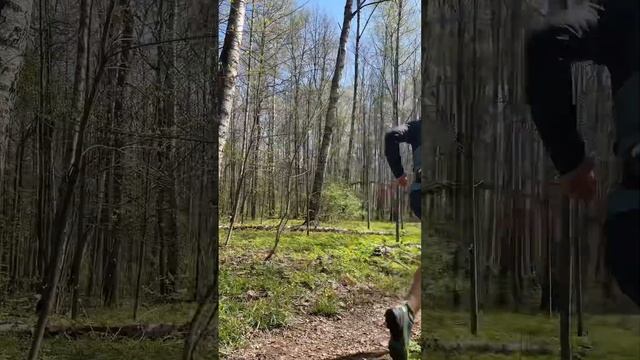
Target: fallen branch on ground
312, 229
152, 331
484, 347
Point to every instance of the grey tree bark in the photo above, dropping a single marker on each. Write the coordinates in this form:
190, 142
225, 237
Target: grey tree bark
78, 94
330, 119
354, 104
112, 271
222, 100
424, 110
15, 17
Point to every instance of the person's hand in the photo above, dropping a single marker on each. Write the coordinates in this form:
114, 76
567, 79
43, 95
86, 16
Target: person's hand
402, 181
582, 183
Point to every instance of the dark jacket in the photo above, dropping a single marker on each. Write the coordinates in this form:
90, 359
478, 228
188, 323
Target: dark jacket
409, 133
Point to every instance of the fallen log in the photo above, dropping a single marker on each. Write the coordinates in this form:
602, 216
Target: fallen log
312, 229
14, 327
138, 331
155, 331
485, 347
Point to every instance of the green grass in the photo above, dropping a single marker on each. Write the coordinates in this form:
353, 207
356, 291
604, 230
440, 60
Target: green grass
609, 337
95, 347
327, 304
12, 348
176, 313
309, 275
315, 275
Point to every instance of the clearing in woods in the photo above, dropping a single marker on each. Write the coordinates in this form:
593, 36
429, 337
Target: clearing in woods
322, 296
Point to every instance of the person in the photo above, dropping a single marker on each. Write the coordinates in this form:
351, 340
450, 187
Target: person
606, 34
400, 319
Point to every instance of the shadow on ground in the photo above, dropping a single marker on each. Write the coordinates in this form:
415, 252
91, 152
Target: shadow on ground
376, 355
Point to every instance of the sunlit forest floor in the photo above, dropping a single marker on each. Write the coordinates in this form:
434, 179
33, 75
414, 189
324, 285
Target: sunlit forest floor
94, 347
322, 296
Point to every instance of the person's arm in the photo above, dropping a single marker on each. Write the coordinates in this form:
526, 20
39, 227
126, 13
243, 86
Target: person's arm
392, 140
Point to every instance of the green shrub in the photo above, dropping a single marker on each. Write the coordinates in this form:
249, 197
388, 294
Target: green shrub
327, 304
339, 202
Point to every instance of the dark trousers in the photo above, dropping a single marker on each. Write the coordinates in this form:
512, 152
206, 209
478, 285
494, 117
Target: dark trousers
415, 203
623, 252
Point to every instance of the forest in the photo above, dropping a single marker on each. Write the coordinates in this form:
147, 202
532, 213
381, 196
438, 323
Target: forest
207, 179
106, 140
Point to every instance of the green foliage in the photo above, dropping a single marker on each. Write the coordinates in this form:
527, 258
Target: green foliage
234, 326
339, 202
268, 314
609, 336
99, 347
327, 304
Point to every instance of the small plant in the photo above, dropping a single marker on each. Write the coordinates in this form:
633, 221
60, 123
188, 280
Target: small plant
327, 304
265, 315
235, 326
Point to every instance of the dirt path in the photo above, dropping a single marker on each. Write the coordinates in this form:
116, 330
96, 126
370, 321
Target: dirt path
358, 333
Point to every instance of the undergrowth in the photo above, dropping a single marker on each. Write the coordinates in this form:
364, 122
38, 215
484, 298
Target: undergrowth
309, 275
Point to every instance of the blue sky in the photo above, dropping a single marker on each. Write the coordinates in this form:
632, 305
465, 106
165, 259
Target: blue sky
333, 8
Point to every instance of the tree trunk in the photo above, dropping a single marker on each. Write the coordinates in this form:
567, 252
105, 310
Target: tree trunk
330, 120
16, 17
354, 103
565, 260
81, 241
112, 272
67, 188
470, 221
79, 89
396, 115
237, 199
222, 94
424, 110
579, 227
166, 179
143, 243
